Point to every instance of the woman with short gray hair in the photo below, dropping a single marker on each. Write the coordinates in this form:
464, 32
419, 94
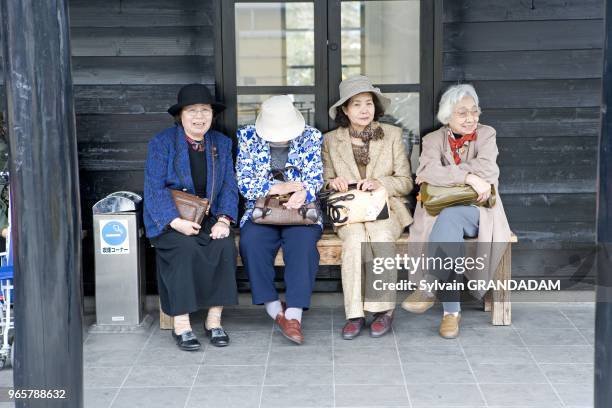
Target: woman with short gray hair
461, 152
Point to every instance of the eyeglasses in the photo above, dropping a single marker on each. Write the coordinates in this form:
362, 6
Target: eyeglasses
193, 112
463, 114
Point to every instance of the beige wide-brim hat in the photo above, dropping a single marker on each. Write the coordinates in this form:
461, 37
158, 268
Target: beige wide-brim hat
279, 121
353, 86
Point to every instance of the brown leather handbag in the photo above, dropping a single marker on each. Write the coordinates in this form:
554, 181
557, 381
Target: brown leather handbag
270, 210
191, 207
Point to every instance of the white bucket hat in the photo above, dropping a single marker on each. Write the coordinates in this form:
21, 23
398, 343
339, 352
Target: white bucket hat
354, 86
278, 120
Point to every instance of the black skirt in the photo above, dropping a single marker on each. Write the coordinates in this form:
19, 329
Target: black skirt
195, 272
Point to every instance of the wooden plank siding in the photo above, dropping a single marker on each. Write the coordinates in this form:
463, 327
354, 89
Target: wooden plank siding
129, 58
537, 69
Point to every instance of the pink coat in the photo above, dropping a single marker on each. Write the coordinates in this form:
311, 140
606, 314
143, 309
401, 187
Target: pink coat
437, 167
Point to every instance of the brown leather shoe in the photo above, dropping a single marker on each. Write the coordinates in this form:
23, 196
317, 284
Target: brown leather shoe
291, 329
418, 302
352, 328
381, 324
449, 326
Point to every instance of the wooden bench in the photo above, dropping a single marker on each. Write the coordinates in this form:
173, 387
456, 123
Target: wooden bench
330, 250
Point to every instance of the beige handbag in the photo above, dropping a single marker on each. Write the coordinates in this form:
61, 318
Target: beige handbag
355, 206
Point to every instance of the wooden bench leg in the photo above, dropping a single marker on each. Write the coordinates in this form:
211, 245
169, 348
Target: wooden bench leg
488, 301
500, 304
165, 322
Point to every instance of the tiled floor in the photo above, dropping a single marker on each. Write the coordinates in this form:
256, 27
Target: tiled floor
544, 360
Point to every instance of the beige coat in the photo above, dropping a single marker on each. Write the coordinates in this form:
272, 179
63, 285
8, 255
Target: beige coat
437, 167
390, 166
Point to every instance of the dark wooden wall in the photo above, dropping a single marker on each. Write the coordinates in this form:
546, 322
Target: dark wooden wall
130, 57
536, 66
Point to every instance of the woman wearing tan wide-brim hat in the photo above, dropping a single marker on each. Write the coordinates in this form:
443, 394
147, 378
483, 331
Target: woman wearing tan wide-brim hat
372, 154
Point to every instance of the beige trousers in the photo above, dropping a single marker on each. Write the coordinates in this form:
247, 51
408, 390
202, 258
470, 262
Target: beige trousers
353, 235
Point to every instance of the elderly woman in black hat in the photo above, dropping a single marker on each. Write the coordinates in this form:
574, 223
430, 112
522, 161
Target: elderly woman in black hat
196, 264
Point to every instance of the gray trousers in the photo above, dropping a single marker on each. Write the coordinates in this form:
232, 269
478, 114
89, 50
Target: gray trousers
451, 226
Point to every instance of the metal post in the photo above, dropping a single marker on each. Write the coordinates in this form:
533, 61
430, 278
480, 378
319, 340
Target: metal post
603, 312
45, 189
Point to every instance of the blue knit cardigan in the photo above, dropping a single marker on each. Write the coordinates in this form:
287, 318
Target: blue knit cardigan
167, 167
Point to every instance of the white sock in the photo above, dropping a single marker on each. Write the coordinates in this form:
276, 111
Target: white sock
454, 314
294, 313
273, 308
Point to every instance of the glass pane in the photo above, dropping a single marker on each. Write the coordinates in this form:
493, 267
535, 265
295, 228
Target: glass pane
404, 112
382, 39
248, 107
272, 41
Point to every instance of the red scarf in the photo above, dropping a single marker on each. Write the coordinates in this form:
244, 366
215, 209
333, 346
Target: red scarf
196, 145
456, 144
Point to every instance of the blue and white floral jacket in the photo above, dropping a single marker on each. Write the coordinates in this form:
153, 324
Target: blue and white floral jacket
253, 165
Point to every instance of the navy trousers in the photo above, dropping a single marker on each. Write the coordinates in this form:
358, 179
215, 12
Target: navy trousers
259, 245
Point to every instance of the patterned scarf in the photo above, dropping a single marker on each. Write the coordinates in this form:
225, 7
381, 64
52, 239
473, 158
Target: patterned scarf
371, 132
196, 145
456, 145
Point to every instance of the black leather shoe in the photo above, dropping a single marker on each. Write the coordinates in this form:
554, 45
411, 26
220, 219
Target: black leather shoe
187, 341
218, 337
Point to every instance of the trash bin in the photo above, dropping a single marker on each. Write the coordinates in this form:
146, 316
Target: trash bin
119, 261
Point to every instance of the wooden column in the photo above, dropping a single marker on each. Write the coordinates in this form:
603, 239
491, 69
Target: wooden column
603, 312
45, 191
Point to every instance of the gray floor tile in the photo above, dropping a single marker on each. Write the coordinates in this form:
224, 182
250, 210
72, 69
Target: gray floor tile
476, 318
109, 358
448, 373
581, 317
569, 373
224, 396
366, 355
151, 397
368, 375
298, 375
431, 355
525, 373
520, 395
230, 375
409, 322
161, 376
96, 377
552, 337
371, 396
297, 355
7, 405
236, 356
316, 396
589, 335
448, 395
576, 395
168, 356
115, 341
160, 338
99, 397
363, 340
497, 354
488, 336
316, 322
532, 318
317, 338
249, 338
423, 335
6, 377
563, 354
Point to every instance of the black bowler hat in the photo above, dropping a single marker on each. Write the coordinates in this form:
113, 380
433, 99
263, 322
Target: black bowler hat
192, 94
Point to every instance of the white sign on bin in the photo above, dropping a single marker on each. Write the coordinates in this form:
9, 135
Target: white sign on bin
114, 237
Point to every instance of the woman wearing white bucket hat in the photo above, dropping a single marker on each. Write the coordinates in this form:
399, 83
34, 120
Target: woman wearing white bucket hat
362, 150
280, 142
